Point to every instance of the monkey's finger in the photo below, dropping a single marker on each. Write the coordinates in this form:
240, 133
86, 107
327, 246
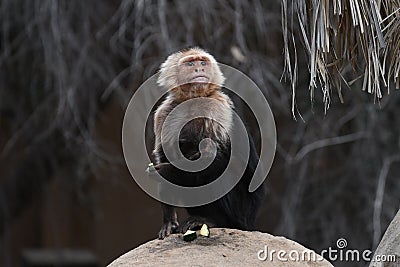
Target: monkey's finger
163, 232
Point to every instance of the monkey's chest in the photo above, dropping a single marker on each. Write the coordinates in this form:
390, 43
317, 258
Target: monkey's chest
214, 123
200, 128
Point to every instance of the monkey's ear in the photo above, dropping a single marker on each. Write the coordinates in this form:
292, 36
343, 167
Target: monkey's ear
219, 77
168, 71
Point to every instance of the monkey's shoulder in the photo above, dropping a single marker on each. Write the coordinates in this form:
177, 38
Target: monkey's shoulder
166, 106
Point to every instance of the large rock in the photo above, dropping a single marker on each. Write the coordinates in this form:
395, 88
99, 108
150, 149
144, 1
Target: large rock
389, 245
225, 247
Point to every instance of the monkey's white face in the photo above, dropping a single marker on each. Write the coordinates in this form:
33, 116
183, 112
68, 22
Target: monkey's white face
195, 69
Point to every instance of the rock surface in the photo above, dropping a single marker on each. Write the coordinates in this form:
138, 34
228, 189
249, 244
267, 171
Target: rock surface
389, 245
225, 247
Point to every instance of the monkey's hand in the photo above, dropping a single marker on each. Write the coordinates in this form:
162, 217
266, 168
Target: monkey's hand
151, 168
193, 223
167, 229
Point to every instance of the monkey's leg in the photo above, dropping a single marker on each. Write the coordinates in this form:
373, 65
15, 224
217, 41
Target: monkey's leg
170, 221
194, 223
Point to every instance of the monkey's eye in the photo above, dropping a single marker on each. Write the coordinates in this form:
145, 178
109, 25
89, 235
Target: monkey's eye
190, 63
203, 63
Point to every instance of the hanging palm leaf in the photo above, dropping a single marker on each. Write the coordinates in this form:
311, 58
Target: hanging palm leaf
361, 37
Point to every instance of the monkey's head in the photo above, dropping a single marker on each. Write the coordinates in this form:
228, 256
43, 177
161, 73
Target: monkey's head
191, 73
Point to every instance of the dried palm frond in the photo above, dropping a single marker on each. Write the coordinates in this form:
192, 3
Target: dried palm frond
342, 35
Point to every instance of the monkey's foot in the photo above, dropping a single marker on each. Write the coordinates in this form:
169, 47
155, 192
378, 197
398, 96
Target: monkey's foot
167, 229
192, 223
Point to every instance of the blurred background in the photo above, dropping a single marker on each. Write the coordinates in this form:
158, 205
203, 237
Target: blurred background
67, 72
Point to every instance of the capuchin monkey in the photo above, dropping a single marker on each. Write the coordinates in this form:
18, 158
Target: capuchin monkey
189, 74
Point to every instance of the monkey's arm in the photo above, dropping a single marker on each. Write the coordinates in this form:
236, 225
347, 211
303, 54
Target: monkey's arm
169, 217
159, 117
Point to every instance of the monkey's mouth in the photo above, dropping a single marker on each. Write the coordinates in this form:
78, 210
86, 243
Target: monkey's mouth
199, 79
